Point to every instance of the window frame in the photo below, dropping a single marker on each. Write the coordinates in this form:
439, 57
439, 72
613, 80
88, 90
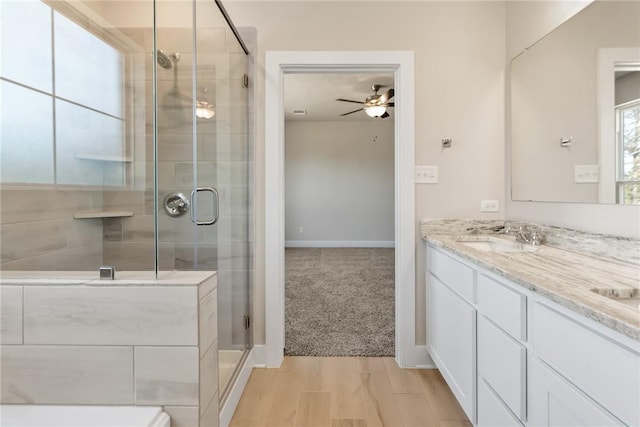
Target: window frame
621, 182
127, 108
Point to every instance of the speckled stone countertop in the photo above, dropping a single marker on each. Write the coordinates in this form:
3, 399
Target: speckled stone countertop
566, 277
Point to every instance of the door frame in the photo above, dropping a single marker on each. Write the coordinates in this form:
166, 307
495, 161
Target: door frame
401, 63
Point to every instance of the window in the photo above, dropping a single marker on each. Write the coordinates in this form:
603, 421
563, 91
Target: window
62, 99
628, 135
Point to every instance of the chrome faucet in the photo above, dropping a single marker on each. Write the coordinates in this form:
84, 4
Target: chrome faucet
526, 234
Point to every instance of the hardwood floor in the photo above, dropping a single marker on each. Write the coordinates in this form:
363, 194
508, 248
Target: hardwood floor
347, 392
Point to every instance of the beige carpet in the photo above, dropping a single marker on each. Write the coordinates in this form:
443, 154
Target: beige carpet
339, 302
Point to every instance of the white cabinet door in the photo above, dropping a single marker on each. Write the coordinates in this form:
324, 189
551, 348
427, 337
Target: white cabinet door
502, 364
554, 402
452, 342
491, 411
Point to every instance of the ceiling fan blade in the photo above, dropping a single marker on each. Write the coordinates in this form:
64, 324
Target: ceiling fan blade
349, 100
390, 104
351, 112
386, 96
385, 115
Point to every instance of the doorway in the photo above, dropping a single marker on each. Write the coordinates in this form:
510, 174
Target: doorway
339, 214
400, 63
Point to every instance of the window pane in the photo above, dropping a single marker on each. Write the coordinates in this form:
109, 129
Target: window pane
630, 132
26, 135
88, 70
25, 54
630, 194
89, 146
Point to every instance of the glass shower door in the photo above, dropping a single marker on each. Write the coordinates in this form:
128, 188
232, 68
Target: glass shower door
203, 162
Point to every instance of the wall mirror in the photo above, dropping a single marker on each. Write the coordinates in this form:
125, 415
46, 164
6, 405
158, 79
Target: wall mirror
575, 110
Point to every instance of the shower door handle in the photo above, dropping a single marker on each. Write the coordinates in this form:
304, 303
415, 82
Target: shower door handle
216, 211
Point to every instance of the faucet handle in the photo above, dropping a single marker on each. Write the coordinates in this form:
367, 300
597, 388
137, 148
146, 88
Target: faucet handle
536, 237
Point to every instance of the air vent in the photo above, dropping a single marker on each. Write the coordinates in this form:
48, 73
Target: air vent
300, 112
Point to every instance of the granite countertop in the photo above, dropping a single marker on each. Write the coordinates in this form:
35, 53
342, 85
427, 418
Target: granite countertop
564, 276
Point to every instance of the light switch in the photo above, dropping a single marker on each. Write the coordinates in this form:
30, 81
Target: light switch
585, 174
426, 174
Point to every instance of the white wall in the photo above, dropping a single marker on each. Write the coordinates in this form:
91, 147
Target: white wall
339, 183
459, 66
528, 21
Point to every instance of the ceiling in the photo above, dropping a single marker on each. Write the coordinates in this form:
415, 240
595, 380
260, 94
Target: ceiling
316, 93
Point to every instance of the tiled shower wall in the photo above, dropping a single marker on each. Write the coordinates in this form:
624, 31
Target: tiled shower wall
38, 231
224, 161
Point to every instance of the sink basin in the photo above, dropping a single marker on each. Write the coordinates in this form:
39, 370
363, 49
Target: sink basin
496, 244
626, 296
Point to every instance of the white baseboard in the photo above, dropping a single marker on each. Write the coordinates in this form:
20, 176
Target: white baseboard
339, 244
259, 356
422, 358
418, 357
229, 407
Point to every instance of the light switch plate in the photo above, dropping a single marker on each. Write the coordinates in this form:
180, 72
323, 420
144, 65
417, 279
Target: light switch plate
426, 174
489, 205
585, 174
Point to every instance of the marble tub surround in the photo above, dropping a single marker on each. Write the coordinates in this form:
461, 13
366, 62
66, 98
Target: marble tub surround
130, 341
563, 276
90, 278
602, 245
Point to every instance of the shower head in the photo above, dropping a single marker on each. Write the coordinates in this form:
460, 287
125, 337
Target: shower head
166, 61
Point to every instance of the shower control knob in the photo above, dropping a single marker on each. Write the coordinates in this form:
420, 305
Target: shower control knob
176, 204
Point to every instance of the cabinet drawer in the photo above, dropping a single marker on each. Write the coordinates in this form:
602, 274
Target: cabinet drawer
553, 402
452, 273
505, 307
502, 363
606, 371
491, 411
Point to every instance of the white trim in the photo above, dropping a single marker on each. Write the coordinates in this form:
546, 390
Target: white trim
259, 355
277, 63
339, 244
229, 406
607, 59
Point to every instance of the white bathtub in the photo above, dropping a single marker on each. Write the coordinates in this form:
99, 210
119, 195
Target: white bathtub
82, 416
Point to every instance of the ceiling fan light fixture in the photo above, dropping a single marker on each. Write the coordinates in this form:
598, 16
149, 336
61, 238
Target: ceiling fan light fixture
375, 110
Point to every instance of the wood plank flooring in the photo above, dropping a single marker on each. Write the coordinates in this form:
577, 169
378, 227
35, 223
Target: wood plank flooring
347, 392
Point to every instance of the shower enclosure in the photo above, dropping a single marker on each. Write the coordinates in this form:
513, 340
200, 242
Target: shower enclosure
125, 142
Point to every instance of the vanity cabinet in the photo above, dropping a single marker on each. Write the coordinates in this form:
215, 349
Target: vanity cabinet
452, 326
515, 358
581, 371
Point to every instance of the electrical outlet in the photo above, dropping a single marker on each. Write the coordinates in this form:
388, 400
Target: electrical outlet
489, 206
585, 174
426, 174
301, 230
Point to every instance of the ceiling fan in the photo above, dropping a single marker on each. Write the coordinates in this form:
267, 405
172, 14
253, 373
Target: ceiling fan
375, 105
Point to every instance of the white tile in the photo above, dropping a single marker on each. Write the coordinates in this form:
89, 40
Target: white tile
114, 315
66, 375
67, 259
32, 239
208, 321
208, 378
210, 417
11, 314
209, 285
183, 416
166, 375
